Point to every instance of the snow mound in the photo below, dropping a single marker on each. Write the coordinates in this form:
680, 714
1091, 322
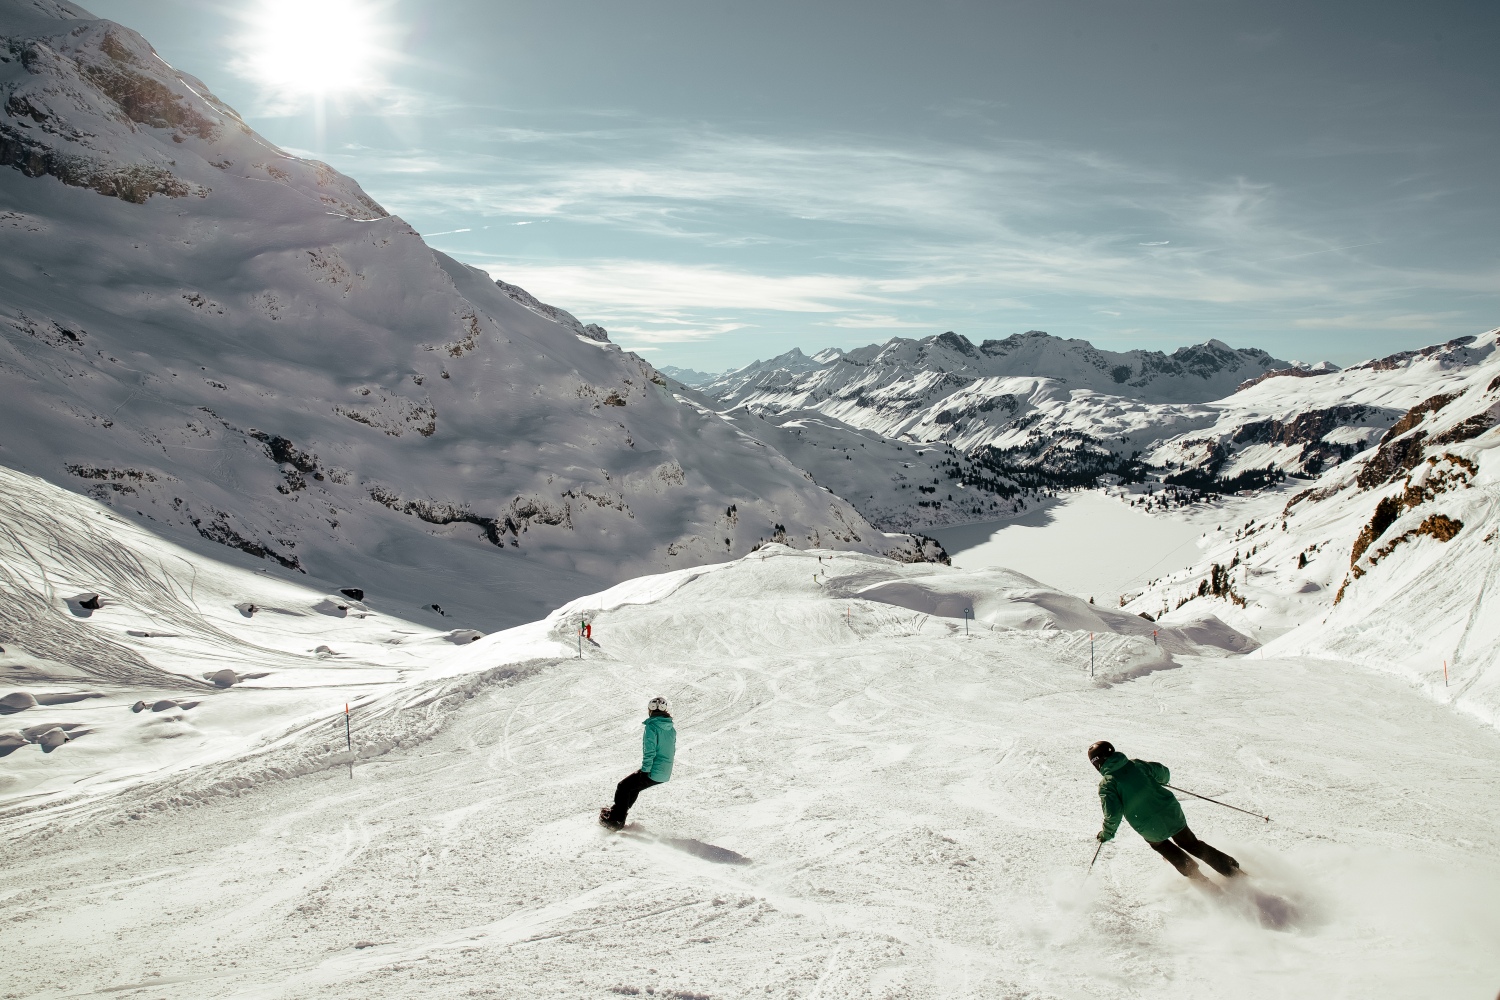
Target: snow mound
1008, 599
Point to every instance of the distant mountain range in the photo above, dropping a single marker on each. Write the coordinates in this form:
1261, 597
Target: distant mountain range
686, 375
1012, 419
1188, 375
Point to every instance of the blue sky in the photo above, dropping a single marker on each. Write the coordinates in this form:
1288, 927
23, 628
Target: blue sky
719, 182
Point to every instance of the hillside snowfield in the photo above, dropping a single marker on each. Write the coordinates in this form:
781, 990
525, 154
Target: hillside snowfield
867, 802
241, 348
1389, 559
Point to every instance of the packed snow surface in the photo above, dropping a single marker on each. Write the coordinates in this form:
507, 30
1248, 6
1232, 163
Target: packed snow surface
867, 802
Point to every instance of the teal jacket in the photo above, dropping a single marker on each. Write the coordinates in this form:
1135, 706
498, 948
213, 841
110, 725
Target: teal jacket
658, 747
1133, 789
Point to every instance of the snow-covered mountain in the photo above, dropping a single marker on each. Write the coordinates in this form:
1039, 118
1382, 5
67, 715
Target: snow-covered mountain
244, 349
686, 376
793, 380
1386, 559
779, 374
1012, 418
1305, 424
1017, 418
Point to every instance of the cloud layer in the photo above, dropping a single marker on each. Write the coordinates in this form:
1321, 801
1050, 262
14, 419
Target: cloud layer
673, 234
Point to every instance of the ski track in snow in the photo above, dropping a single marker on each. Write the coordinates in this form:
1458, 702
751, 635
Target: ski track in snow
913, 803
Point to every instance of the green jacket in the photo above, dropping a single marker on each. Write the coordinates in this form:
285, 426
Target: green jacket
658, 747
1133, 789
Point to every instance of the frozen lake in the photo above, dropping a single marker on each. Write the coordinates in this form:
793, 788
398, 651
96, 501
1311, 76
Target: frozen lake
1087, 544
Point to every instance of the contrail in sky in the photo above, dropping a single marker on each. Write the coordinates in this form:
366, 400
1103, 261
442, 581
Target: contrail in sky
1311, 253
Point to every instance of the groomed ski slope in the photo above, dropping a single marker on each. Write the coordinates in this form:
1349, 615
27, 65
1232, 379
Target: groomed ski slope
866, 803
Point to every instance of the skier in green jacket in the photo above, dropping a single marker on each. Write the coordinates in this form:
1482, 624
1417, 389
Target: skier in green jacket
1133, 789
658, 748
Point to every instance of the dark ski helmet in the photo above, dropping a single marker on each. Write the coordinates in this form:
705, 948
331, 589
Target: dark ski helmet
1099, 751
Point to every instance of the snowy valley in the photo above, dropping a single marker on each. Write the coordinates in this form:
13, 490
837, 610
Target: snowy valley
335, 576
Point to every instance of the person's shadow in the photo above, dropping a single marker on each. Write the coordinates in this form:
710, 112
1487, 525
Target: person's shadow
708, 852
697, 848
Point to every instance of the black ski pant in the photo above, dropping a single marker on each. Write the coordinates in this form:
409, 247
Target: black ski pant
1187, 841
626, 792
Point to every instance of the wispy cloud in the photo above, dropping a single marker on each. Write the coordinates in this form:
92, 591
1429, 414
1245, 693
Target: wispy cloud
666, 287
1409, 321
866, 321
852, 233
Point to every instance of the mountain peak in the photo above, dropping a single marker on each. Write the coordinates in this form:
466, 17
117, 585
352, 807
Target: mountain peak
955, 342
91, 103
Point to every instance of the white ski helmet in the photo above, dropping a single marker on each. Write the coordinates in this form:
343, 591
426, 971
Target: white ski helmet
656, 705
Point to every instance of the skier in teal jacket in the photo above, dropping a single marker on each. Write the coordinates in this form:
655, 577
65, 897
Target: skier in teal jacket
658, 748
1133, 789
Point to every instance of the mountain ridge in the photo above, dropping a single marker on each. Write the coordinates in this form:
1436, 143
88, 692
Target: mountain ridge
1151, 376
1068, 415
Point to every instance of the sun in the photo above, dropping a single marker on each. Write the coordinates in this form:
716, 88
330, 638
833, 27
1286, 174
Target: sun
316, 48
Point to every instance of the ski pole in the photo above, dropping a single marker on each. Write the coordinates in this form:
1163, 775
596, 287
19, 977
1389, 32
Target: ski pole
1093, 859
1216, 802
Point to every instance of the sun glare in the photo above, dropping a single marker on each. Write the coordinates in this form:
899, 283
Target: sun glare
316, 47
